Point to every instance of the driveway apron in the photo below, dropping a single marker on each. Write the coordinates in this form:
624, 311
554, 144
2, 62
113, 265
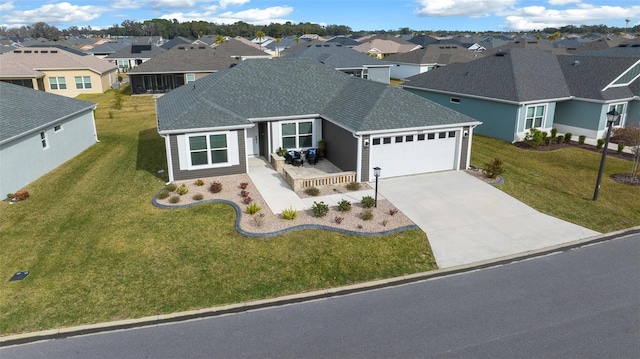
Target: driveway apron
468, 220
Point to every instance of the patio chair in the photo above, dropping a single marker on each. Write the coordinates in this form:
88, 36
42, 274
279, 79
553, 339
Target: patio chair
312, 156
293, 158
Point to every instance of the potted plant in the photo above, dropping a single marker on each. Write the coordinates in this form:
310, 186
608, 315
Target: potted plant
322, 146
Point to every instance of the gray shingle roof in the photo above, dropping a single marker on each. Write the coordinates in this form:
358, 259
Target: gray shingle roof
147, 51
336, 56
257, 89
23, 110
442, 54
591, 74
181, 59
235, 48
515, 77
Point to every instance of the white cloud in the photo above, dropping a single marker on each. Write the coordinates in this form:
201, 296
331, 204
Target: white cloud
225, 3
172, 4
472, 8
563, 2
125, 4
7, 6
265, 16
539, 17
54, 14
186, 17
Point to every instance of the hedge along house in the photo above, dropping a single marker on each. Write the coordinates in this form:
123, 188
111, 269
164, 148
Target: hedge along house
213, 125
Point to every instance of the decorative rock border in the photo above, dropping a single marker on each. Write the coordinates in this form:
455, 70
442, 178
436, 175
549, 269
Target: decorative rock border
239, 214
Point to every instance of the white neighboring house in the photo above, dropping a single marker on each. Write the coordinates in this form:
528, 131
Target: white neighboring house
38, 132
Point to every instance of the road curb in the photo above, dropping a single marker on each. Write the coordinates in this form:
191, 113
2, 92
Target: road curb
155, 320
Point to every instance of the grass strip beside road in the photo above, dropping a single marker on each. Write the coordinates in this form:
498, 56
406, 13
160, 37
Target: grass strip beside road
97, 250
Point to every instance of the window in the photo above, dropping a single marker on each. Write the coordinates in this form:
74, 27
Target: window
409, 138
297, 134
208, 149
628, 76
442, 135
365, 73
421, 137
43, 140
191, 77
454, 100
123, 64
431, 136
535, 117
376, 141
619, 107
452, 134
83, 82
57, 128
57, 83
386, 140
399, 139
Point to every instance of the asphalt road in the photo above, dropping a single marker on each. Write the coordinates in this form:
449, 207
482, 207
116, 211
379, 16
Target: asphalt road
584, 303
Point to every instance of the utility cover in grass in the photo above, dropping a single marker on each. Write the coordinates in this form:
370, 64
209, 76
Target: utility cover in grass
19, 276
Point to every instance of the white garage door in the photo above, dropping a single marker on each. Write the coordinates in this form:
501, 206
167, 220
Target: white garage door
414, 153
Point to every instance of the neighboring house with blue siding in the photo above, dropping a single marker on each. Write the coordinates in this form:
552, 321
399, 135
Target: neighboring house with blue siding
38, 132
516, 90
254, 108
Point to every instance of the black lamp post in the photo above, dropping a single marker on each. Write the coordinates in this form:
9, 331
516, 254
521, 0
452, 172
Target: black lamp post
612, 116
376, 174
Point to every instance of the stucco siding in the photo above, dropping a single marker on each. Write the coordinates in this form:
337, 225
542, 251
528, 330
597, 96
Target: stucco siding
99, 84
341, 146
379, 74
24, 160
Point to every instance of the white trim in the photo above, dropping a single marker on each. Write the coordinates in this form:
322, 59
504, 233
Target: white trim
167, 149
208, 129
233, 157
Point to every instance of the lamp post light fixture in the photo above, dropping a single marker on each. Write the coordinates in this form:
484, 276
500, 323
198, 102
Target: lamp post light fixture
612, 117
376, 174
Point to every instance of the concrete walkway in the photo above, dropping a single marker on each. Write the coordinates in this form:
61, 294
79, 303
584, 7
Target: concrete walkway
468, 220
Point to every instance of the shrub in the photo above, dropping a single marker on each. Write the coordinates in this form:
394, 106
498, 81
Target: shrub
111, 115
182, 189
600, 144
289, 214
547, 140
620, 147
494, 168
10, 195
198, 197
21, 195
393, 211
560, 139
312, 191
384, 222
534, 137
244, 185
259, 219
253, 208
581, 139
344, 206
174, 199
338, 219
247, 200
567, 137
244, 193
171, 187
215, 187
353, 186
163, 194
367, 215
368, 202
199, 182
554, 132
319, 209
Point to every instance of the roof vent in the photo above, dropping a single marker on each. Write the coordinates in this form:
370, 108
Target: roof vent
500, 54
201, 47
54, 51
17, 51
576, 63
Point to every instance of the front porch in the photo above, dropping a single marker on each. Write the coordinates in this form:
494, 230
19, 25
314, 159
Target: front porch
324, 173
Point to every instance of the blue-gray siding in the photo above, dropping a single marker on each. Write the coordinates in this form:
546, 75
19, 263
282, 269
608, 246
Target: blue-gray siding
341, 146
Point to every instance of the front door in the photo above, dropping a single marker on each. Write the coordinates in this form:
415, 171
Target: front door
253, 149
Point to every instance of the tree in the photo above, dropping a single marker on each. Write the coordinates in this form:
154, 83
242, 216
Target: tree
44, 30
278, 46
219, 40
630, 136
260, 36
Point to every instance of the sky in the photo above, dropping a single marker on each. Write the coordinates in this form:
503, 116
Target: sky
461, 15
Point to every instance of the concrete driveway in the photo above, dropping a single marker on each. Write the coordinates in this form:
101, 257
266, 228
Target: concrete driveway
468, 220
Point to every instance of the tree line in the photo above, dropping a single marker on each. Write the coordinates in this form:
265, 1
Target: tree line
169, 29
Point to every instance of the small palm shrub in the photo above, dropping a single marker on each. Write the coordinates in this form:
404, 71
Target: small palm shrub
620, 147
368, 202
367, 215
174, 199
600, 144
171, 187
163, 194
198, 197
547, 140
494, 168
554, 132
253, 208
312, 191
581, 139
344, 206
182, 189
199, 182
560, 139
215, 187
319, 209
567, 137
258, 219
353, 186
289, 214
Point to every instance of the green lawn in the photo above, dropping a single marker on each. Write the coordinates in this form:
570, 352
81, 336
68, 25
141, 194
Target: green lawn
97, 250
561, 183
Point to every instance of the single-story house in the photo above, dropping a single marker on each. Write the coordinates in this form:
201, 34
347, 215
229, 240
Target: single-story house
346, 60
133, 55
57, 71
519, 89
258, 106
38, 132
382, 46
428, 58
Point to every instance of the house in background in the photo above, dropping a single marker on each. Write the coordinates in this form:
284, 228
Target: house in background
254, 108
133, 55
428, 58
38, 132
383, 46
57, 71
187, 63
346, 60
514, 91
